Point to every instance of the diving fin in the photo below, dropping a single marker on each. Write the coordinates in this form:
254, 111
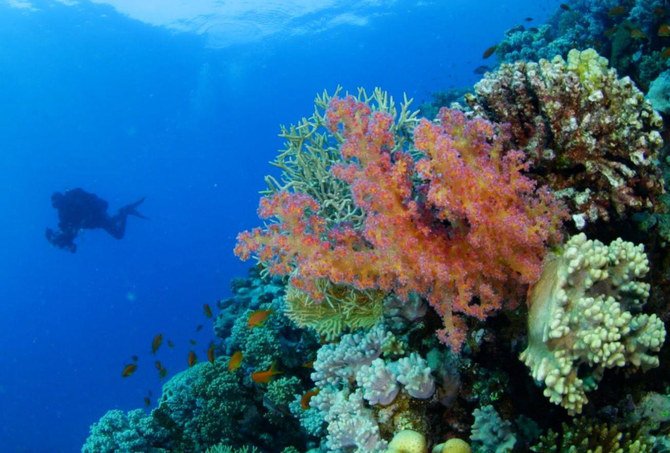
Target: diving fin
130, 209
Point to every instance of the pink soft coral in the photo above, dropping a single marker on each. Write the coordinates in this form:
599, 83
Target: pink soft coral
474, 228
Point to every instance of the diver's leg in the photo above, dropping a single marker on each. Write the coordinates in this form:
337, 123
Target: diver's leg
116, 225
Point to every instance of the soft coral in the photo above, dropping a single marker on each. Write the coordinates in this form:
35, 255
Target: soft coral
461, 223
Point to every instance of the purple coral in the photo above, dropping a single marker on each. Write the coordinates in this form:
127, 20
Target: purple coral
414, 374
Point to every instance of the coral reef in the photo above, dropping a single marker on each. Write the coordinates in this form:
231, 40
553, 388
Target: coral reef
461, 223
582, 319
378, 214
627, 33
589, 135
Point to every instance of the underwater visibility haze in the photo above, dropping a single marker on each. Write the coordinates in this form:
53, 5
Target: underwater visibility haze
334, 225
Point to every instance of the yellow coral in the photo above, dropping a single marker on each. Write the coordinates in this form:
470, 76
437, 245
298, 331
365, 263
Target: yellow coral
454, 445
408, 441
342, 307
591, 68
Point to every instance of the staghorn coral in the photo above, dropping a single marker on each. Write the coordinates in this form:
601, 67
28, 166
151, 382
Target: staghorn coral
581, 319
588, 436
589, 135
462, 223
311, 150
342, 308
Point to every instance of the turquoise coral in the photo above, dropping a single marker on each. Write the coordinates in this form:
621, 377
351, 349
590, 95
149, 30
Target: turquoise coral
119, 431
490, 433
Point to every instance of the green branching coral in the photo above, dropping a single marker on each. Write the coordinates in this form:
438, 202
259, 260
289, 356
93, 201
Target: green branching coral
311, 150
202, 406
280, 394
343, 308
587, 436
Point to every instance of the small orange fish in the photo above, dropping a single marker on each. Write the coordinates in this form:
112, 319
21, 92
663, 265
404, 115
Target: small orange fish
665, 53
263, 377
616, 11
158, 365
564, 7
659, 11
636, 33
235, 361
610, 32
307, 397
309, 364
147, 401
258, 317
211, 354
170, 344
664, 30
156, 343
193, 342
162, 373
192, 359
208, 310
128, 370
488, 52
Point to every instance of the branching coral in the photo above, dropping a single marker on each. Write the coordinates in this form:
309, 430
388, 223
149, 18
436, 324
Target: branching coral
460, 227
588, 133
311, 150
490, 433
582, 320
588, 436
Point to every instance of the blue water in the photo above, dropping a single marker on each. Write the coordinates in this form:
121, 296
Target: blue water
123, 104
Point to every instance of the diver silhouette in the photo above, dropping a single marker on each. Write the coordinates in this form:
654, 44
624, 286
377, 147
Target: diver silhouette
79, 210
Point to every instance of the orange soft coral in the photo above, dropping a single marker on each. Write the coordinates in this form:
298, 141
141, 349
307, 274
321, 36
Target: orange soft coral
471, 230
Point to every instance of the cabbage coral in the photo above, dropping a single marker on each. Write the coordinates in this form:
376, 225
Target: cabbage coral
581, 313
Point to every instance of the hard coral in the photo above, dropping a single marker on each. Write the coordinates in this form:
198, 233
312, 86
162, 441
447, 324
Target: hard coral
132, 431
588, 134
463, 223
586, 435
581, 319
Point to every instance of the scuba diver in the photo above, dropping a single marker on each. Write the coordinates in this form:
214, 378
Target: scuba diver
79, 210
